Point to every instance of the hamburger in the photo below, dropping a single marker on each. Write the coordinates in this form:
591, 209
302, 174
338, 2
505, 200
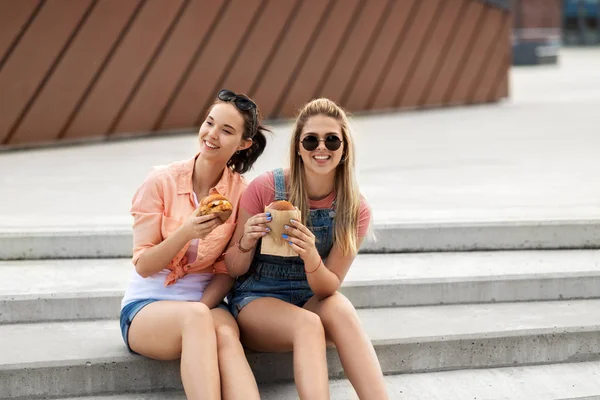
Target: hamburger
281, 205
216, 204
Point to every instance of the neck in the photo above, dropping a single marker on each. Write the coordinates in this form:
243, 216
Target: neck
318, 186
206, 175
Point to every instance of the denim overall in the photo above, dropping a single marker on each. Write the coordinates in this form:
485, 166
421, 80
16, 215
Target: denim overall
283, 277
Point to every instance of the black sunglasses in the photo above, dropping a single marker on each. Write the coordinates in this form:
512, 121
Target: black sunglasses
241, 102
311, 142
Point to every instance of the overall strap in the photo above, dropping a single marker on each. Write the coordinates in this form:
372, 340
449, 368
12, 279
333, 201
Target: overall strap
280, 190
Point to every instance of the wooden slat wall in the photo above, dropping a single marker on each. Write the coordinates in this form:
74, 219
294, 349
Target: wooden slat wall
99, 68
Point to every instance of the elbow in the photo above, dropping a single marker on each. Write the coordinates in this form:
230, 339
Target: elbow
139, 268
325, 292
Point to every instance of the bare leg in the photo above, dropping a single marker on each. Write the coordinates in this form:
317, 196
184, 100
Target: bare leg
357, 355
168, 330
237, 379
272, 325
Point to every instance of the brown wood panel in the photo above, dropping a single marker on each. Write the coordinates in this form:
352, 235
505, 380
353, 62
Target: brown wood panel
394, 82
31, 59
231, 62
456, 53
261, 43
357, 93
477, 57
495, 63
500, 88
288, 54
321, 53
461, 8
424, 71
112, 88
154, 93
59, 97
14, 16
338, 76
209, 67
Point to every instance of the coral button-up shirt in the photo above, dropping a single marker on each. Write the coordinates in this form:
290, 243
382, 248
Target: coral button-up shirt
162, 204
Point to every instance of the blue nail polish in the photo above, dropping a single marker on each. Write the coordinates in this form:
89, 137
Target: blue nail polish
286, 226
290, 243
268, 229
293, 221
268, 214
285, 236
269, 218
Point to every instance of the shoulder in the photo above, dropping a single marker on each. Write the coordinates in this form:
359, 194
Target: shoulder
364, 206
262, 182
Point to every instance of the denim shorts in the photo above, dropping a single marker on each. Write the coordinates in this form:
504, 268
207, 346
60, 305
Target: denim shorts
284, 282
130, 310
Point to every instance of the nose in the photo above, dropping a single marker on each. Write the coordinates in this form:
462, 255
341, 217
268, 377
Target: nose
212, 133
321, 145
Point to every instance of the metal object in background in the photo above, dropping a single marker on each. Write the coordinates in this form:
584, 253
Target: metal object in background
536, 31
581, 22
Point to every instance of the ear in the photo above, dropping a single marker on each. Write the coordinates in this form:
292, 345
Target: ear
244, 144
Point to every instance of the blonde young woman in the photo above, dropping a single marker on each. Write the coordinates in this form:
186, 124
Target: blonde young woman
284, 304
173, 306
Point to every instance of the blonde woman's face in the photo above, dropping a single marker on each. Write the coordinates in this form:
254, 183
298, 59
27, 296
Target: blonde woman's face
327, 130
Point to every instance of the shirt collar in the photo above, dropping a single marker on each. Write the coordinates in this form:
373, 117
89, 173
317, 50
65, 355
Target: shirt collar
187, 171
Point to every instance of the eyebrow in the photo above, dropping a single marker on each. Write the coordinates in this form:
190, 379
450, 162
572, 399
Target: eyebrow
228, 126
325, 134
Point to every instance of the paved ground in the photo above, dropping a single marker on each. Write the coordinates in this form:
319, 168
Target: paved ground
535, 156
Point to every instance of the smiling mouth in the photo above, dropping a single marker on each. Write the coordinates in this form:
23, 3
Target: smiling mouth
321, 158
210, 145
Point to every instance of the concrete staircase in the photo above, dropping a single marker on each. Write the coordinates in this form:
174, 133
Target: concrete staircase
494, 311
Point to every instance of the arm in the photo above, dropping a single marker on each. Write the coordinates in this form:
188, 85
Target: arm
323, 279
216, 290
247, 232
327, 278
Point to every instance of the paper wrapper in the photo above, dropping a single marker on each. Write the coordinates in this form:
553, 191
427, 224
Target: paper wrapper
273, 244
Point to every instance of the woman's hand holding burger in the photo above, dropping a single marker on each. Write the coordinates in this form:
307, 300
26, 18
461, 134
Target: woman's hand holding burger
302, 241
254, 229
212, 211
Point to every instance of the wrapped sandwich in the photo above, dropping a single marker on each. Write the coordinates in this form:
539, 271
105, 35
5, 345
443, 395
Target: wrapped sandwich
281, 213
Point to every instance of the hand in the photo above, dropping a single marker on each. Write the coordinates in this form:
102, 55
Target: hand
254, 229
199, 227
302, 240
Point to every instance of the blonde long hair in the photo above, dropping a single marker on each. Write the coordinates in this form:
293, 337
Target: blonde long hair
346, 186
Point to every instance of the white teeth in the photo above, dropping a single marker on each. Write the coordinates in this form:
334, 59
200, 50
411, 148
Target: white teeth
321, 157
210, 146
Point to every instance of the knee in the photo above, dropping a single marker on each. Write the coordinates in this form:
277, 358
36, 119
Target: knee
309, 325
337, 310
197, 315
227, 336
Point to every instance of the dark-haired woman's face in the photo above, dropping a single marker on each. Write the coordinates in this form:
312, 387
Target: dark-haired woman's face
221, 133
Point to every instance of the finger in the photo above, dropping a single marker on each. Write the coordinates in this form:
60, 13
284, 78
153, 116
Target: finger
255, 235
298, 225
298, 242
257, 228
259, 219
205, 218
297, 233
297, 248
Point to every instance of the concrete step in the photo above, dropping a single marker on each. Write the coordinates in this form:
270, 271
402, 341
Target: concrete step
47, 290
88, 357
115, 241
576, 381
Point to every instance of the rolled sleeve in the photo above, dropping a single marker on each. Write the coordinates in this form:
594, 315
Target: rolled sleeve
147, 209
220, 268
